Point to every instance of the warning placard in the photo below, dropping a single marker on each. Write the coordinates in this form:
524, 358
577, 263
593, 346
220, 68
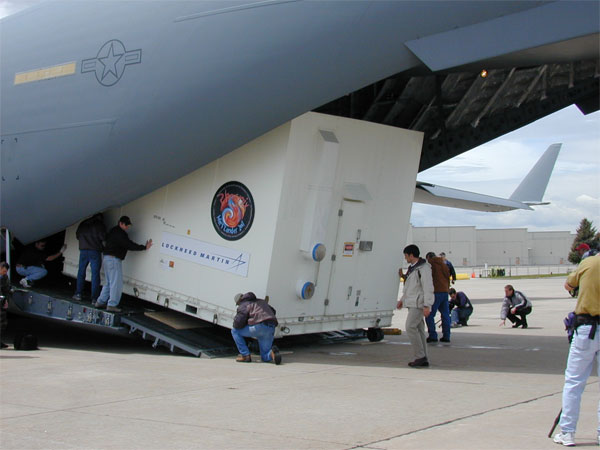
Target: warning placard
348, 249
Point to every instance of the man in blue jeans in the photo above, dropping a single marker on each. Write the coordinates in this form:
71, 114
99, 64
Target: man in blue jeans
255, 318
441, 284
31, 263
115, 250
90, 234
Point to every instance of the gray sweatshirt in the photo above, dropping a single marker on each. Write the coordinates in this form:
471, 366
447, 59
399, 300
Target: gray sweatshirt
518, 300
418, 286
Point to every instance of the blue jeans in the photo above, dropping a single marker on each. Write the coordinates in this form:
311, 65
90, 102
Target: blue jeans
440, 303
460, 315
262, 332
94, 259
113, 288
580, 363
32, 273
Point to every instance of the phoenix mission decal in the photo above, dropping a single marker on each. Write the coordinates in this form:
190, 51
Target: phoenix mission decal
232, 211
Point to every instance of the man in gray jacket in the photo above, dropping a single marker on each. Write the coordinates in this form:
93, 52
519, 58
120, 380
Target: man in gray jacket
514, 304
417, 297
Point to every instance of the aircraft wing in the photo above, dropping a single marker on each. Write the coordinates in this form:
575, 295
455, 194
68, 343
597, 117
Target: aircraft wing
529, 192
432, 194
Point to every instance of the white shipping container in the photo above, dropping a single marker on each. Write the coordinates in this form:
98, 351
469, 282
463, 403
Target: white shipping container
313, 214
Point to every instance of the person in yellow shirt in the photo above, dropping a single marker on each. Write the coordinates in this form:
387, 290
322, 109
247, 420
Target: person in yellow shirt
585, 346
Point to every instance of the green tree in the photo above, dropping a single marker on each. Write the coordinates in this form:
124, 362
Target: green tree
586, 234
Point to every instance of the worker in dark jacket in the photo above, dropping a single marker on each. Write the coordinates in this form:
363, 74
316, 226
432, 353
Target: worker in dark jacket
90, 234
115, 250
31, 263
450, 267
255, 318
460, 308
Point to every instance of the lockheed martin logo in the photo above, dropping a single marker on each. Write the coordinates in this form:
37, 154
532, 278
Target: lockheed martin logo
110, 62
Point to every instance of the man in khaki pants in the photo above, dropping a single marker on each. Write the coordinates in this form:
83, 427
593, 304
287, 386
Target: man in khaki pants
417, 297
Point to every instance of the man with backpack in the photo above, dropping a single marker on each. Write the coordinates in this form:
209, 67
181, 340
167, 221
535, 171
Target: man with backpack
515, 304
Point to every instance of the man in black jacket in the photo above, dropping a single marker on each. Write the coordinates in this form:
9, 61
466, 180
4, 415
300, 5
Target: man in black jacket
31, 263
115, 250
255, 318
90, 234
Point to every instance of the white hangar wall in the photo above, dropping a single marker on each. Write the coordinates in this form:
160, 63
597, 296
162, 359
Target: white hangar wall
468, 246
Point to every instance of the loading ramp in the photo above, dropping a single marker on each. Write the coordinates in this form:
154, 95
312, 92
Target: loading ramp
198, 339
175, 331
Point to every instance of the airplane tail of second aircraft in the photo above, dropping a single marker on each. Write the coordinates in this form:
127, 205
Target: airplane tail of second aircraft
531, 190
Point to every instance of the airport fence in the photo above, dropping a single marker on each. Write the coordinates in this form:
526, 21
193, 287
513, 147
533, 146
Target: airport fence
489, 272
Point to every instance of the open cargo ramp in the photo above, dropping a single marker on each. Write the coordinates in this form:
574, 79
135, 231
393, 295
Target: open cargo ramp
197, 341
164, 328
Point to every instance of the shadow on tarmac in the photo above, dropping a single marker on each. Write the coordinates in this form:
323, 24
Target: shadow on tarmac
508, 352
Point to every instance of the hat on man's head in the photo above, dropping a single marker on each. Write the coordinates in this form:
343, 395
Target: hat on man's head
125, 219
583, 246
247, 296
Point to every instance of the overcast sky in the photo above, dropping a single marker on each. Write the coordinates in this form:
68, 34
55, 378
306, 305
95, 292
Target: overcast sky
496, 168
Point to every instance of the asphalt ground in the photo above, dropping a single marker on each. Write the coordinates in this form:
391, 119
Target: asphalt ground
491, 388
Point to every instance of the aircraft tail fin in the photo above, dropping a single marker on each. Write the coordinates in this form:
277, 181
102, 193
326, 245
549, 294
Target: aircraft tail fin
531, 190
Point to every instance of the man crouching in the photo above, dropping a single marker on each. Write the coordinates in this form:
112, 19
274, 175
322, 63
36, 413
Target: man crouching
255, 318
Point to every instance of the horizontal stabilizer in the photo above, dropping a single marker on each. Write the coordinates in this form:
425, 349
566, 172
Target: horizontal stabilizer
532, 188
455, 198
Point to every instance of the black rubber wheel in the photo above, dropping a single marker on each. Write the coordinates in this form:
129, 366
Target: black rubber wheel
375, 334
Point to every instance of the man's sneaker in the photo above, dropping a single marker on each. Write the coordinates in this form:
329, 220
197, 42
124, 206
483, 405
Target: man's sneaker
100, 305
113, 309
25, 283
566, 439
430, 339
421, 362
243, 358
275, 355
447, 340
77, 297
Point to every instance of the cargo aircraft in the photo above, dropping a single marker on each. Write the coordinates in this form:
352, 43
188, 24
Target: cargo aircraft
163, 110
102, 102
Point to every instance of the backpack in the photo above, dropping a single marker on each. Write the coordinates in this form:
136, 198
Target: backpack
25, 341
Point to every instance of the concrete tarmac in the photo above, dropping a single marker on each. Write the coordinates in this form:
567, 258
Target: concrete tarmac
490, 388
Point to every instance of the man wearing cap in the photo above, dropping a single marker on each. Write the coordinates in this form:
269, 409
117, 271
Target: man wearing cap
255, 318
115, 250
585, 347
584, 251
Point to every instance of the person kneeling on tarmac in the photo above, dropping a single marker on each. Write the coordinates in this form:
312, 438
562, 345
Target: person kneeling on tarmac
255, 318
514, 304
460, 308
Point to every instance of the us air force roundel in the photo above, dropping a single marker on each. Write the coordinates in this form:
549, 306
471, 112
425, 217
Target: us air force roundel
232, 211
